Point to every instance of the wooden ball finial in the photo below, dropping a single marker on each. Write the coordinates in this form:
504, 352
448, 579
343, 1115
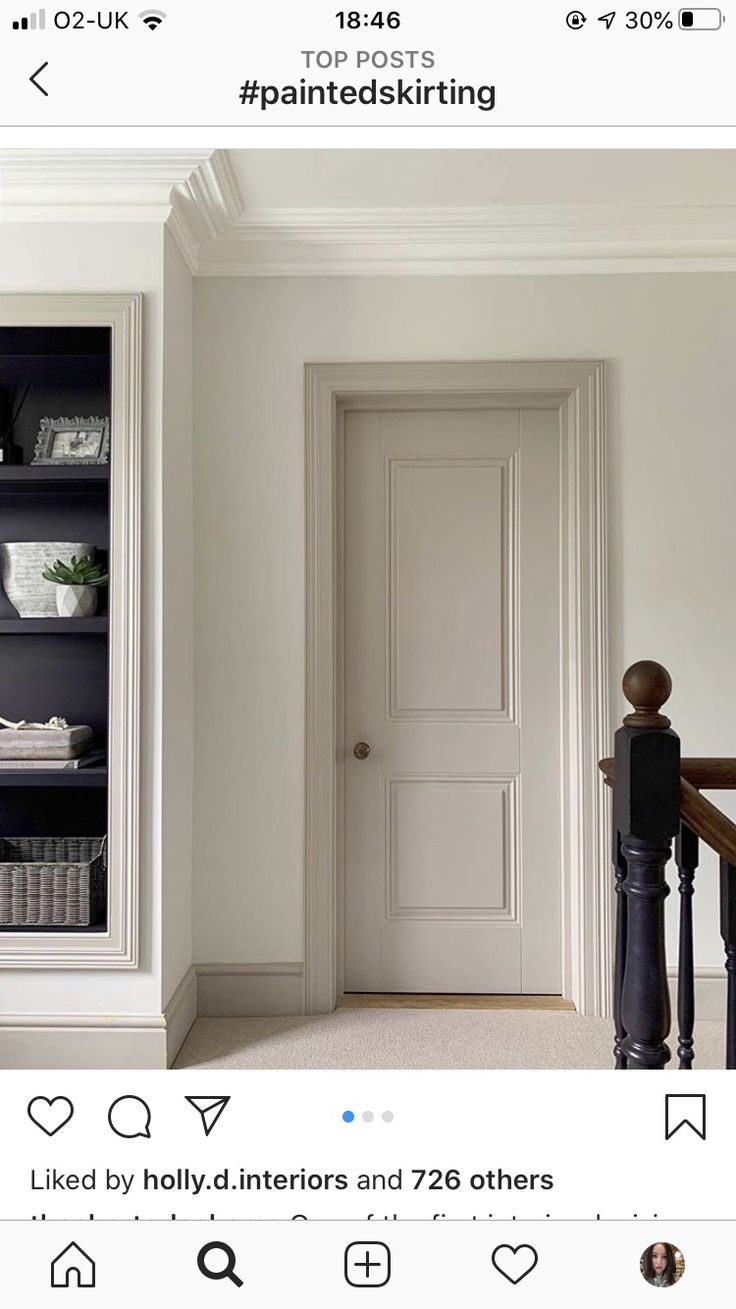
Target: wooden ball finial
646, 685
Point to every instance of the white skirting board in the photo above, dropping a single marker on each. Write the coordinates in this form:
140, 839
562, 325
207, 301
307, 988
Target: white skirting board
151, 1040
100, 1041
180, 1013
82, 1041
249, 990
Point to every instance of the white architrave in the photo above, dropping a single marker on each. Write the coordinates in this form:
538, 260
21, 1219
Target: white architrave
118, 946
576, 389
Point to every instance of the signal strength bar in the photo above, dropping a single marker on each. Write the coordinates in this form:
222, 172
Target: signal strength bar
32, 23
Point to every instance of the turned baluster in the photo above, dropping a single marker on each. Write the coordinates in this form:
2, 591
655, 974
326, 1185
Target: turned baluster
686, 858
728, 932
647, 814
619, 869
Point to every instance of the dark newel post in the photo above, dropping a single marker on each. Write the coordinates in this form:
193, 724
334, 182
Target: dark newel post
619, 868
647, 814
728, 932
686, 858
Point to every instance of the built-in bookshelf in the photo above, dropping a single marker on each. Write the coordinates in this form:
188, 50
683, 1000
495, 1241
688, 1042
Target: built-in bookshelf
55, 666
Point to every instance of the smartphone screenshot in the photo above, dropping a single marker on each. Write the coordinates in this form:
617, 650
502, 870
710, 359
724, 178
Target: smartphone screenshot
367, 730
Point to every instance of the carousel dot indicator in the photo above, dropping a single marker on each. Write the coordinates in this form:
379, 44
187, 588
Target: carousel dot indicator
348, 1116
387, 1116
367, 1116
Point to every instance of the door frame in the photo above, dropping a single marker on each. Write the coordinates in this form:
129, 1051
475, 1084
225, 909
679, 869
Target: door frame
576, 390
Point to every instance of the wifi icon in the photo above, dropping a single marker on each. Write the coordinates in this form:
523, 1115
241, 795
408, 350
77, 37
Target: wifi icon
153, 18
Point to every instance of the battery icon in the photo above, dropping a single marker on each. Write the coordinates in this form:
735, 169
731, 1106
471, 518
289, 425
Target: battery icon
700, 20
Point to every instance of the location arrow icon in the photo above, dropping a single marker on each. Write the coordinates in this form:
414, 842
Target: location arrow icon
33, 77
607, 19
209, 1108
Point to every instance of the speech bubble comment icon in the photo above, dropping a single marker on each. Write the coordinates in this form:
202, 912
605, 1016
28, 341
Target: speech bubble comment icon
129, 1116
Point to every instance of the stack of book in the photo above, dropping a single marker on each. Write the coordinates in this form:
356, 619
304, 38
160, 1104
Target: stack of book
48, 748
93, 759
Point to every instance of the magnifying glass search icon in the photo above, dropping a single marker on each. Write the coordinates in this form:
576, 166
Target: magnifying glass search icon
218, 1273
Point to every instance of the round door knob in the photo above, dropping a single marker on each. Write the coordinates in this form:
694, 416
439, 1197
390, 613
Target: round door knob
361, 750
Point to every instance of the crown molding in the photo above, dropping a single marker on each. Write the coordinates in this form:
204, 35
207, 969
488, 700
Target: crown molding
204, 205
196, 194
104, 180
465, 241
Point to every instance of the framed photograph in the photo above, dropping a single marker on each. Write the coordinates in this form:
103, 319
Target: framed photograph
73, 441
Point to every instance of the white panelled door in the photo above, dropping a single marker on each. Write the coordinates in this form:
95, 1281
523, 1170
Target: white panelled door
451, 679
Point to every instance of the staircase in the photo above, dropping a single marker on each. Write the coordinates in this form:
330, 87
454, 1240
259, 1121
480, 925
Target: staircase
657, 800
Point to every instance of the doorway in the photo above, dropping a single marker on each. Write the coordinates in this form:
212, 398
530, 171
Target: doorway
479, 817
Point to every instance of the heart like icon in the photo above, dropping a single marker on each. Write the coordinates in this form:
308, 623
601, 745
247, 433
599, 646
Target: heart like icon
50, 1115
514, 1262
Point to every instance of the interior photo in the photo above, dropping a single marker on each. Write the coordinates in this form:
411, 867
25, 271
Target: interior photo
365, 622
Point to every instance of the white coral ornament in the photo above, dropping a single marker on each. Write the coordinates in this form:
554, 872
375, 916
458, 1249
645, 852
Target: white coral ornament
54, 725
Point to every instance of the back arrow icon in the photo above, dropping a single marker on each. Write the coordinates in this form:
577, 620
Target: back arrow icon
33, 77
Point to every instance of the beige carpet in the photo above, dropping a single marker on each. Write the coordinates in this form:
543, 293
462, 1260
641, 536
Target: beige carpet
380, 1038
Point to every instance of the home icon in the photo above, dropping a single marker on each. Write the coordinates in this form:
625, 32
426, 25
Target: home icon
73, 1267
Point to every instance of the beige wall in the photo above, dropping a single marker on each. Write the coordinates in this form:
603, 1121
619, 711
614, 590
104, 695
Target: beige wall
669, 342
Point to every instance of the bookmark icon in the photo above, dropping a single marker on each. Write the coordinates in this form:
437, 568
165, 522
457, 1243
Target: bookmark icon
209, 1108
684, 1111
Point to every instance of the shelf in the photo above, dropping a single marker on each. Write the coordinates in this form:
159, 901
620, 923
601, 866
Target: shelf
35, 930
53, 777
77, 626
30, 477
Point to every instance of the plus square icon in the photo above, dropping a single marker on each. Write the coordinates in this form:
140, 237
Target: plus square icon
367, 1263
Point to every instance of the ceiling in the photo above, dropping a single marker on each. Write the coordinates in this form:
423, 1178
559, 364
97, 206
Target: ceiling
301, 179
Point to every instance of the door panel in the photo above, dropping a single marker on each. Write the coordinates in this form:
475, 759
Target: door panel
447, 572
450, 644
429, 821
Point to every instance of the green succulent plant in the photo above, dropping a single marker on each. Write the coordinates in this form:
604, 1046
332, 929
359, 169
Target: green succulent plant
80, 572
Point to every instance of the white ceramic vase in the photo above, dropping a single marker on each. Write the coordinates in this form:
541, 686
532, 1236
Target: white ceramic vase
23, 564
76, 601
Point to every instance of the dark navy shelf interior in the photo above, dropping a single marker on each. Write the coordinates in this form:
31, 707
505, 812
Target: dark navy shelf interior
20, 479
52, 778
51, 666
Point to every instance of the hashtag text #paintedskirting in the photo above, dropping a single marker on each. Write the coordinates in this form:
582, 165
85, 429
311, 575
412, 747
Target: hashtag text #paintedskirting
415, 93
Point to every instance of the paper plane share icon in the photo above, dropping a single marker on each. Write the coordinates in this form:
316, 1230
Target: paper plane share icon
209, 1108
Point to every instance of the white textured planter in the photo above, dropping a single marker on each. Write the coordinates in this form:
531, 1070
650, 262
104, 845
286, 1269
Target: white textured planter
23, 563
76, 601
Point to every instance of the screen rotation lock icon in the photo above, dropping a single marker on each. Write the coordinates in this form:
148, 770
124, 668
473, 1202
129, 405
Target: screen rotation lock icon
576, 20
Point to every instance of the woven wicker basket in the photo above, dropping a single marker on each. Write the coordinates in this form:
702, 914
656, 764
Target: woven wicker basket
52, 881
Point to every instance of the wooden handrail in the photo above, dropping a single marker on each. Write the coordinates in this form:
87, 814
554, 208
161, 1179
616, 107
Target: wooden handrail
708, 822
710, 774
702, 817
717, 774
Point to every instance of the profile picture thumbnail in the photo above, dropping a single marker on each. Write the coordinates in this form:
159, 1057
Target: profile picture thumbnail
662, 1264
